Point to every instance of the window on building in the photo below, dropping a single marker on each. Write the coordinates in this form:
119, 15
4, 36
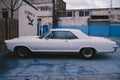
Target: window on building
81, 13
99, 17
5, 13
65, 14
69, 14
59, 14
86, 13
44, 8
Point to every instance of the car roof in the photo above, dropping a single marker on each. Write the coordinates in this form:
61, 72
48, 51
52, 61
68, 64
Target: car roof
77, 32
64, 29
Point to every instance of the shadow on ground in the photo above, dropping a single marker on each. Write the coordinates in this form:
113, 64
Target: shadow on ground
101, 56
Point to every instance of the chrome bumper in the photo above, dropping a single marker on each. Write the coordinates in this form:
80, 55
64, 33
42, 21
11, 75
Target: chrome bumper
115, 49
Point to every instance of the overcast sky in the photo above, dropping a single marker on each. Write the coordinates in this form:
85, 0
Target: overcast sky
89, 4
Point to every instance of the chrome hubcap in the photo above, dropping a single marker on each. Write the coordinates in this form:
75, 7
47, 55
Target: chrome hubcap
22, 52
87, 53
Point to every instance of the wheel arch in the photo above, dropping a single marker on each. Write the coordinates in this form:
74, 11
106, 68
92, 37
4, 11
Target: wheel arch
22, 46
88, 47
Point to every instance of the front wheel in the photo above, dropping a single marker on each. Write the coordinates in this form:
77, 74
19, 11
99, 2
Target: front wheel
88, 53
21, 52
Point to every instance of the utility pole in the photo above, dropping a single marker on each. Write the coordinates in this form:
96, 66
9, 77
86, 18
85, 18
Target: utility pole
111, 4
54, 14
110, 9
110, 17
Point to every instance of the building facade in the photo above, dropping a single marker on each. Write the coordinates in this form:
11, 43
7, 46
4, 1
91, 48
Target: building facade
73, 18
47, 13
98, 22
90, 17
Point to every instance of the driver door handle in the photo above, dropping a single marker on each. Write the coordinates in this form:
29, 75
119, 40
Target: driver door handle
66, 41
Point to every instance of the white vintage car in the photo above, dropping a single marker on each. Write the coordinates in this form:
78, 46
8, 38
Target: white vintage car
62, 40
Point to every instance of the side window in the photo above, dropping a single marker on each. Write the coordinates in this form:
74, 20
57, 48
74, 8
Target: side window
71, 36
58, 35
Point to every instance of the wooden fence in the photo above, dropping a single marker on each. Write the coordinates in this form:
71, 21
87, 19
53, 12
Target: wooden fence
8, 30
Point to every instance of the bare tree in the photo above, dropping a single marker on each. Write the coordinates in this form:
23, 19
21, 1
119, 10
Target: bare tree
12, 5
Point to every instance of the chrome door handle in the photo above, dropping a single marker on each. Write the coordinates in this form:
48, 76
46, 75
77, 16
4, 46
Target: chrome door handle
66, 41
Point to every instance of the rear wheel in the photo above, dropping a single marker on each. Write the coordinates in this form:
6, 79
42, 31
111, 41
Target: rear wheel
22, 52
88, 53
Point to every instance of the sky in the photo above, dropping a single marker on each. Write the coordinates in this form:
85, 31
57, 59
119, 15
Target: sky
90, 4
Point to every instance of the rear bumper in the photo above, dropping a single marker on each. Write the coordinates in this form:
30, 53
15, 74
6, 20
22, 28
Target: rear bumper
115, 49
111, 50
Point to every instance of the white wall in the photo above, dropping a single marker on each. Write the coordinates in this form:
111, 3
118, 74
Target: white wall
27, 13
82, 21
100, 12
45, 15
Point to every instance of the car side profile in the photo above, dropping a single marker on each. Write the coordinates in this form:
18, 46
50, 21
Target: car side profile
62, 40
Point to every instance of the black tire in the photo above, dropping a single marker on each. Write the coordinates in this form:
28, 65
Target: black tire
88, 53
22, 52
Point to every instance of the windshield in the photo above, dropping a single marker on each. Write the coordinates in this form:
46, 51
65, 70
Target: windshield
42, 36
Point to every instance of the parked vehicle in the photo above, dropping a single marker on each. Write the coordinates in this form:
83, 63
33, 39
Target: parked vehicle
62, 40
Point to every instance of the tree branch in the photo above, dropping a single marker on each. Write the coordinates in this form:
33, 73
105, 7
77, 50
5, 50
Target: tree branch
15, 2
5, 3
18, 7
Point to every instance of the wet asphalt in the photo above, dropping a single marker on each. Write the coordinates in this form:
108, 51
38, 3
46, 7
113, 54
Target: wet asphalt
106, 66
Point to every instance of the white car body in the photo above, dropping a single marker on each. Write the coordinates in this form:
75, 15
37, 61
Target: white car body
35, 44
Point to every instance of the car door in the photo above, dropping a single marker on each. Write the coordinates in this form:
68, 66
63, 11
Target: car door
73, 42
56, 41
